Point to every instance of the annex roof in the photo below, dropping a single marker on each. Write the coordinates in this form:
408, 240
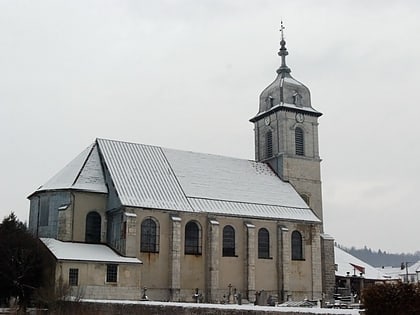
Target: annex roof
347, 263
154, 177
85, 252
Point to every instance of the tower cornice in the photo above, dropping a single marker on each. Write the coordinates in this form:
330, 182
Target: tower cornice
287, 108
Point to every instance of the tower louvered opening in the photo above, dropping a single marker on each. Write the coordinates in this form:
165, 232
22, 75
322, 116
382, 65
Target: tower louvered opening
269, 144
299, 141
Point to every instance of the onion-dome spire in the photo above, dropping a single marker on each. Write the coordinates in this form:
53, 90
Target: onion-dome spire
283, 52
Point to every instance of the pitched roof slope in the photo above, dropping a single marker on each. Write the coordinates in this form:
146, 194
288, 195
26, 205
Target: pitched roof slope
142, 176
83, 173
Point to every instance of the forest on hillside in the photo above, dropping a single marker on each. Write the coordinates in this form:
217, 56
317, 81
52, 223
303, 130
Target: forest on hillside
381, 258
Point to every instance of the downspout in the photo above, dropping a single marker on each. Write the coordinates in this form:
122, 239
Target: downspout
312, 260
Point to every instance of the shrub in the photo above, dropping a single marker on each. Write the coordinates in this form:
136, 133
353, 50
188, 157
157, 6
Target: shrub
392, 299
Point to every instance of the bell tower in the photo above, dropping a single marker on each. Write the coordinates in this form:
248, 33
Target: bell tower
286, 133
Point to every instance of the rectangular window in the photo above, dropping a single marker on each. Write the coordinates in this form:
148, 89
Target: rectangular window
111, 273
74, 276
44, 211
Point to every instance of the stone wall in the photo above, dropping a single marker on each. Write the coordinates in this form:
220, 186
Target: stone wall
328, 267
162, 309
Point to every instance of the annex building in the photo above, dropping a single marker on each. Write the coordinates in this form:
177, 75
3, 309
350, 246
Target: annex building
124, 216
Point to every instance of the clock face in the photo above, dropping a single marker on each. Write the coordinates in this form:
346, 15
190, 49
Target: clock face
299, 117
267, 120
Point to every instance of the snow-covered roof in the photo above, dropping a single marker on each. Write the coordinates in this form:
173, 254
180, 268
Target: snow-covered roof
397, 272
214, 177
85, 252
83, 173
153, 177
347, 263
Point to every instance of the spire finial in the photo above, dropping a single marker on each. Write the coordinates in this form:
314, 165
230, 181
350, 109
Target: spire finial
281, 29
283, 51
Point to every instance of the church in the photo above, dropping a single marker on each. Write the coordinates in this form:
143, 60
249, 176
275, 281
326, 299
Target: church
122, 217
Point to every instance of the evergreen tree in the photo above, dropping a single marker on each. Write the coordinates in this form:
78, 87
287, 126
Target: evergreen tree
22, 261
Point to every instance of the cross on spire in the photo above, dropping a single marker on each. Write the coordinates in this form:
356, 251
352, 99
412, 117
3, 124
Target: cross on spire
283, 52
281, 29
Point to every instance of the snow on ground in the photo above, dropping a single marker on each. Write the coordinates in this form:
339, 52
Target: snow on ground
247, 307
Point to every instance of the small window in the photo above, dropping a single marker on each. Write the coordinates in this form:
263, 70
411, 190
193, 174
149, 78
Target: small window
73, 276
297, 98
93, 227
228, 241
149, 236
111, 273
263, 243
269, 144
299, 142
269, 101
192, 238
297, 246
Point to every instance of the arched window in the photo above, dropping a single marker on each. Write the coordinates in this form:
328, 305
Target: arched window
268, 144
263, 243
297, 246
299, 141
149, 236
192, 238
93, 227
228, 241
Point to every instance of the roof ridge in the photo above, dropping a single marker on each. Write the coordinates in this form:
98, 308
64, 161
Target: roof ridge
176, 178
127, 142
181, 150
84, 164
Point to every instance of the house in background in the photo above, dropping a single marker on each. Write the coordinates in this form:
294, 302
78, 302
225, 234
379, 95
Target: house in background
197, 221
407, 272
353, 274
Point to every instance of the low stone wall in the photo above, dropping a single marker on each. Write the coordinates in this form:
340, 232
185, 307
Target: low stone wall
82, 308
106, 292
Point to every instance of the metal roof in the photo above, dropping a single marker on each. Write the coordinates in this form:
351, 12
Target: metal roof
252, 210
221, 178
142, 176
153, 177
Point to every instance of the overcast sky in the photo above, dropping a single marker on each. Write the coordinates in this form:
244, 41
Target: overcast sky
188, 74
